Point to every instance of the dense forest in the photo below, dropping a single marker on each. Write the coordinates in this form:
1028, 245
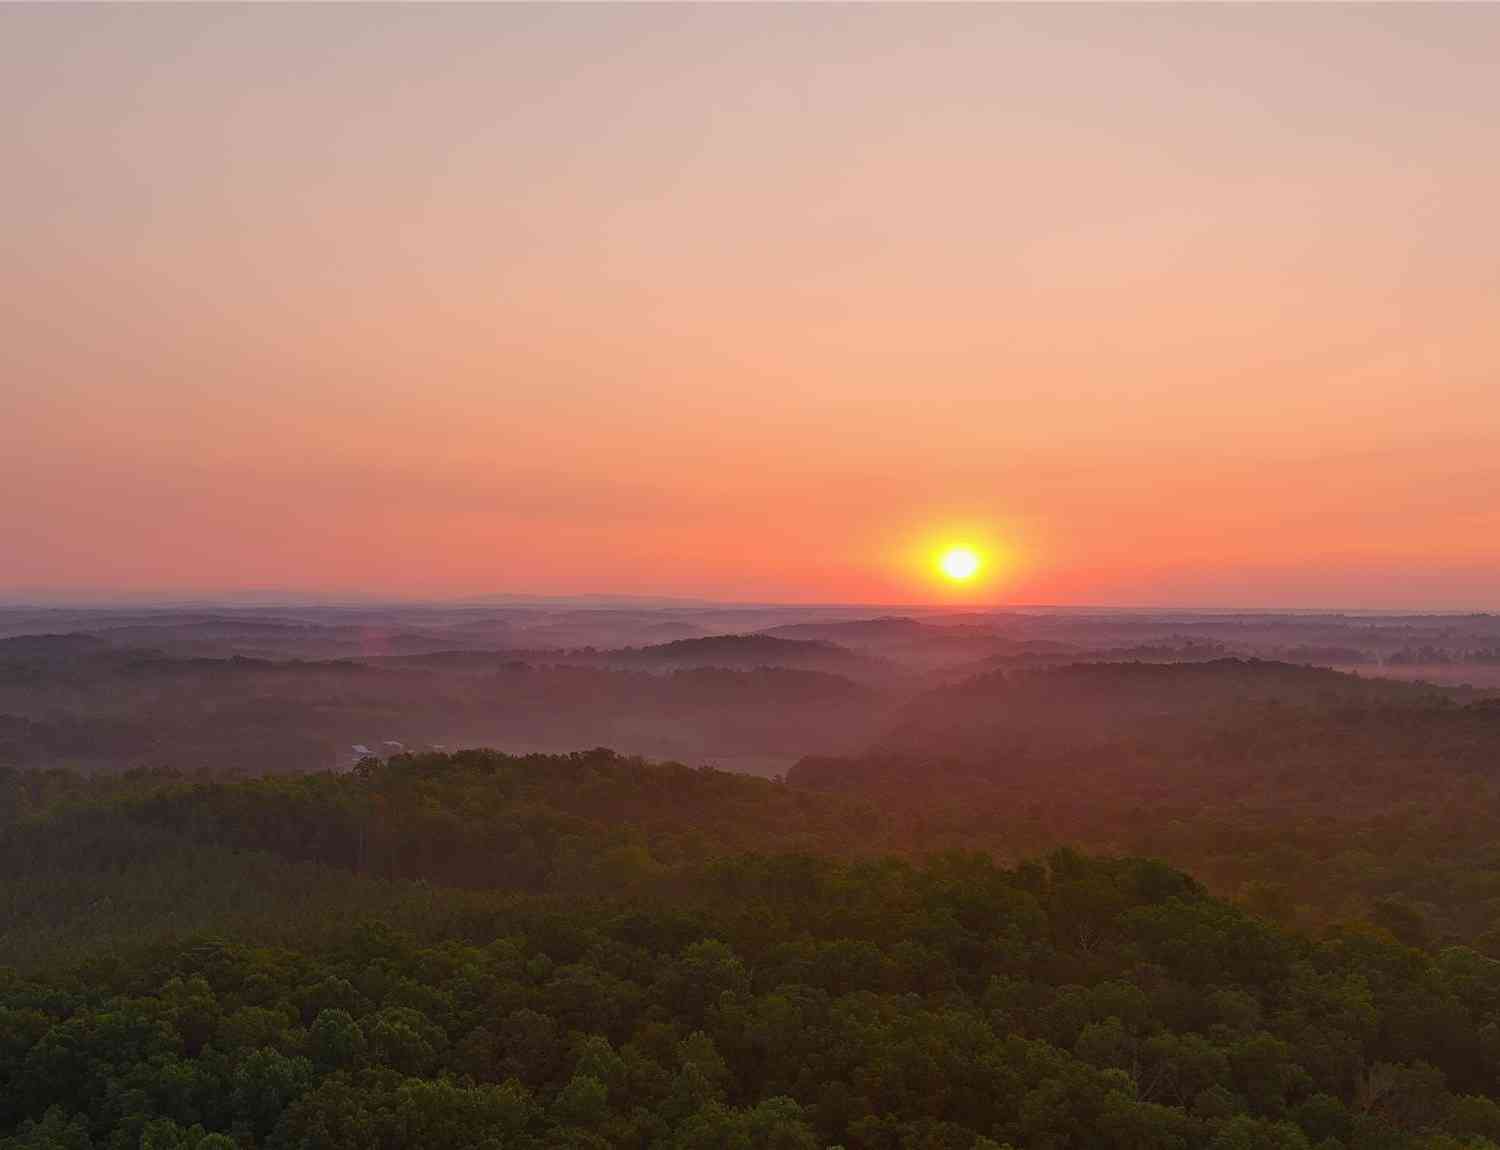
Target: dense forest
483, 950
1313, 796
1169, 895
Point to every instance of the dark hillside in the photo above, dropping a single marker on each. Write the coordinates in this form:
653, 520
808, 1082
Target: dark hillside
661, 992
1316, 795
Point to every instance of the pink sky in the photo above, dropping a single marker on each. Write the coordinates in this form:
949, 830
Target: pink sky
1161, 304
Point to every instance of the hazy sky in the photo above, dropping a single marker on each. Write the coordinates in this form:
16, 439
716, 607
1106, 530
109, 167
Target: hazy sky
1162, 304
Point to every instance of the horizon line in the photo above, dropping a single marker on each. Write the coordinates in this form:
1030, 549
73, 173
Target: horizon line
273, 599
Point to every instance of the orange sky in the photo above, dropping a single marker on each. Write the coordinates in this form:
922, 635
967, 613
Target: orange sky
1163, 304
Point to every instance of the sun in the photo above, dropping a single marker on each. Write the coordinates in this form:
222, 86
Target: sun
959, 564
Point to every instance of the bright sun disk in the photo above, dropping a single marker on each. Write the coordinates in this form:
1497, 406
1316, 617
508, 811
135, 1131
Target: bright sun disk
959, 563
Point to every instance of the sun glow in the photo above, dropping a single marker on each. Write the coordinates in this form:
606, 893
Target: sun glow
957, 559
959, 564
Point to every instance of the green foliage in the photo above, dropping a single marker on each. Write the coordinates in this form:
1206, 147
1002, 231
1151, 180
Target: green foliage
771, 1001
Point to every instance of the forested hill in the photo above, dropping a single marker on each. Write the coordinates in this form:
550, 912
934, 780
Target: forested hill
72, 702
752, 651
470, 819
1104, 703
1314, 796
480, 951
656, 989
1315, 816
